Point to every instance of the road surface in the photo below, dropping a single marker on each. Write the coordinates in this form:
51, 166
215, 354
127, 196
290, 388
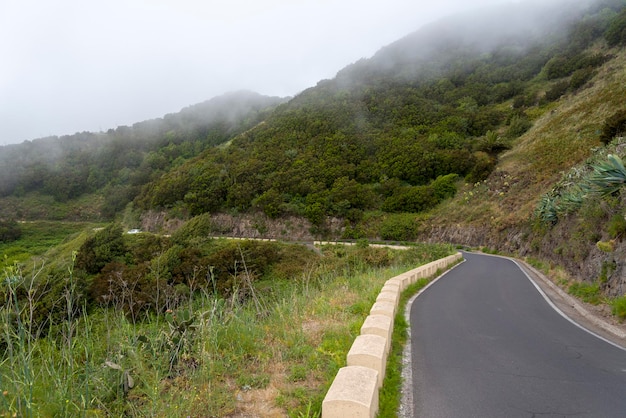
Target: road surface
485, 343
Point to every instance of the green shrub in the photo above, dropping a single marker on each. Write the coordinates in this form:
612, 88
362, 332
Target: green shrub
607, 269
580, 77
558, 67
201, 226
522, 101
9, 231
410, 199
105, 246
483, 166
616, 226
420, 198
399, 227
614, 126
619, 307
271, 202
605, 246
374, 257
518, 125
444, 187
557, 90
587, 292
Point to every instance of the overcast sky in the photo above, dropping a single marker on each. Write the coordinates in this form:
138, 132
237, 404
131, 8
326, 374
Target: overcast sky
76, 65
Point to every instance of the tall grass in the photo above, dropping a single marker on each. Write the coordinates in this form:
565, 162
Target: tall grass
212, 356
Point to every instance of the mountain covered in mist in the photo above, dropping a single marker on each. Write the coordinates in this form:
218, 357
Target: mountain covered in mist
116, 163
396, 146
395, 132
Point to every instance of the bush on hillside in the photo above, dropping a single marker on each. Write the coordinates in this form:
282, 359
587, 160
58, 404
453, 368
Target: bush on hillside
616, 226
580, 77
128, 288
105, 246
9, 231
483, 167
518, 125
557, 90
614, 126
564, 65
619, 307
444, 187
411, 199
399, 227
201, 227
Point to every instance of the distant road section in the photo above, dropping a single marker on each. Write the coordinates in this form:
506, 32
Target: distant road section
486, 344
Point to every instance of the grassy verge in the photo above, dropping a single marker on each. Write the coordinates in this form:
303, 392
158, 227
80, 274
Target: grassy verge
271, 348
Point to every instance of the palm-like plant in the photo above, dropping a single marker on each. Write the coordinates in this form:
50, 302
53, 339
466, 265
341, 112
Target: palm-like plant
572, 199
546, 210
608, 177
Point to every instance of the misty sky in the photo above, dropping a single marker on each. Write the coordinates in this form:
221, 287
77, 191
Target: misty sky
73, 65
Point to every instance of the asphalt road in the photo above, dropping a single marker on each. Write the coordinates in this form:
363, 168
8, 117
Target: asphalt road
485, 343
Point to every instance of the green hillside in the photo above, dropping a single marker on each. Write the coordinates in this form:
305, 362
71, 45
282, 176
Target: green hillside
92, 176
485, 124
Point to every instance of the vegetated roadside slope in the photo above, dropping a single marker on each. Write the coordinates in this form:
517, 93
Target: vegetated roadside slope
553, 156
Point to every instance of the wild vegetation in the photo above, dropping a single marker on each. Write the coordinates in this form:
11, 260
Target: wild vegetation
512, 143
253, 327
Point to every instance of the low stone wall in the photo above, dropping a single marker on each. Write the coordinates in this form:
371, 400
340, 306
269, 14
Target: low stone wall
354, 391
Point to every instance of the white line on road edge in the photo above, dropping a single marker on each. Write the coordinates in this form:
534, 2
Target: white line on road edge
560, 312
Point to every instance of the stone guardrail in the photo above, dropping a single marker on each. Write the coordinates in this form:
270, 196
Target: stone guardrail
354, 391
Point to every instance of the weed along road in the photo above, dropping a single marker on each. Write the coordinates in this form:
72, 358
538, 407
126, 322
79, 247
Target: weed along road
485, 343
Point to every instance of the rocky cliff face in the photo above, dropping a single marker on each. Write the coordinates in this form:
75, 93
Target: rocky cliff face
570, 244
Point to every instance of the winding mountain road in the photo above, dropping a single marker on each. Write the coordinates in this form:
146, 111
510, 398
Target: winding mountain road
485, 343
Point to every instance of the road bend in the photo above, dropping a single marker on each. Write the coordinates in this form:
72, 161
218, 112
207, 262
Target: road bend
485, 343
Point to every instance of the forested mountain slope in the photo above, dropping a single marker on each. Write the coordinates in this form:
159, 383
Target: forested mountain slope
396, 132
114, 164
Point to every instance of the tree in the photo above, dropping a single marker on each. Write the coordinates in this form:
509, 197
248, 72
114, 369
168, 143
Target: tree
105, 246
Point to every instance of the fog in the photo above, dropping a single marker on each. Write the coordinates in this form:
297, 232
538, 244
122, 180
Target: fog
70, 65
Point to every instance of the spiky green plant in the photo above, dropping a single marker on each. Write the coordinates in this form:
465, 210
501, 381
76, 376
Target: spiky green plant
546, 210
571, 200
608, 176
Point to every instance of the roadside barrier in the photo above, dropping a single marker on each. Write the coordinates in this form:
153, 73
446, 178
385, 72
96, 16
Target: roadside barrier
354, 391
